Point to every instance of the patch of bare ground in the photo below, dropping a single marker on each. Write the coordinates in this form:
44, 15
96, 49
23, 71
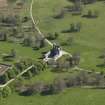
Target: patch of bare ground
3, 3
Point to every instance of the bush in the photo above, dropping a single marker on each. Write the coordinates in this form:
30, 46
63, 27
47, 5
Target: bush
28, 90
6, 92
11, 74
73, 28
27, 41
91, 14
47, 90
58, 85
52, 36
60, 15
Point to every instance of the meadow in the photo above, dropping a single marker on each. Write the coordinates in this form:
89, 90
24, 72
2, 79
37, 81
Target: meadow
89, 42
75, 96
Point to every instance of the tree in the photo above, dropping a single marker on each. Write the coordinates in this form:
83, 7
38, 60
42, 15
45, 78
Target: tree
83, 77
39, 42
34, 70
56, 35
20, 2
60, 15
3, 36
11, 74
4, 78
38, 67
25, 19
19, 66
78, 5
88, 1
26, 90
76, 58
6, 91
72, 27
28, 74
10, 56
58, 85
14, 32
47, 90
89, 14
13, 53
27, 41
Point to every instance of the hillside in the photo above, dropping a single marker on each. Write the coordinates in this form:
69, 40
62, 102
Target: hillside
32, 29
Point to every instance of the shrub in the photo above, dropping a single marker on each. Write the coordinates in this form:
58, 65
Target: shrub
91, 14
73, 28
58, 85
6, 91
60, 15
52, 36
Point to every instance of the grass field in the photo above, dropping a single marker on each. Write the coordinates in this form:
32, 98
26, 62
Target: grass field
22, 52
68, 97
89, 42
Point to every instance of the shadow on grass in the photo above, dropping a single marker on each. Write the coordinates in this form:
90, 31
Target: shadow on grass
89, 17
69, 31
101, 65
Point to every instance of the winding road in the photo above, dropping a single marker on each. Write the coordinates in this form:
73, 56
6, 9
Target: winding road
36, 28
40, 33
10, 81
51, 44
62, 51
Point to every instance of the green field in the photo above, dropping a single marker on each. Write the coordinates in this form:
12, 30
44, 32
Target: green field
89, 42
68, 97
22, 52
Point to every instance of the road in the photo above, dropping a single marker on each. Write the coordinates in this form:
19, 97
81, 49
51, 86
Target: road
51, 44
40, 33
36, 28
10, 81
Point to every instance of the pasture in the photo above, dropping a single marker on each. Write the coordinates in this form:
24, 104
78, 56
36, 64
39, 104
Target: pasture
89, 42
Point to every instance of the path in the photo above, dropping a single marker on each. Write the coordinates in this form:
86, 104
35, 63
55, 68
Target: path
81, 69
40, 33
10, 81
37, 29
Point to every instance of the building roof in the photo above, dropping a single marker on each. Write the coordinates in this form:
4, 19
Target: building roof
4, 68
